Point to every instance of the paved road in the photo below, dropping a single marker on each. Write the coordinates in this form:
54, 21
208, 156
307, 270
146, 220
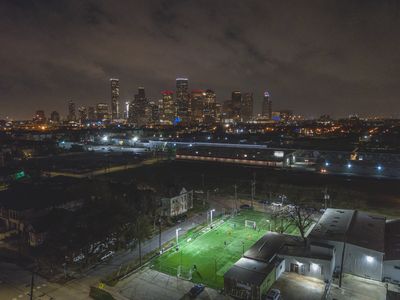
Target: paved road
15, 281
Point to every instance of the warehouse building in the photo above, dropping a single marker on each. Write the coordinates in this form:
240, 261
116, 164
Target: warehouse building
253, 275
342, 241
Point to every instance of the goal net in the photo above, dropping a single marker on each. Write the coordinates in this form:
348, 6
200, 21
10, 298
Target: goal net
184, 273
251, 224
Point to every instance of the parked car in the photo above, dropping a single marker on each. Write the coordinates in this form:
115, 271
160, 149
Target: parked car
273, 294
107, 255
244, 206
276, 204
196, 290
78, 258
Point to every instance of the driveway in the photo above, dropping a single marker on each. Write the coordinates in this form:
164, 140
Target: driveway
357, 288
297, 287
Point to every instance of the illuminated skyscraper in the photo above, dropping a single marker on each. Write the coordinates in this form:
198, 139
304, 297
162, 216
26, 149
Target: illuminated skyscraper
102, 113
71, 112
267, 106
91, 113
114, 98
55, 117
154, 112
197, 99
236, 102
210, 107
83, 114
40, 117
182, 99
167, 107
246, 111
139, 109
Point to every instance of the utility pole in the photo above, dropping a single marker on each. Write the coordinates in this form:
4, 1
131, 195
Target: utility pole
235, 209
159, 233
326, 197
32, 282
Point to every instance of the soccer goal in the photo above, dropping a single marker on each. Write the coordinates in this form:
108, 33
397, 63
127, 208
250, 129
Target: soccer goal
251, 224
184, 273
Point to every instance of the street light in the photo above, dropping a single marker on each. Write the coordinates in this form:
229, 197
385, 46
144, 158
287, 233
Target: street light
269, 222
211, 215
177, 233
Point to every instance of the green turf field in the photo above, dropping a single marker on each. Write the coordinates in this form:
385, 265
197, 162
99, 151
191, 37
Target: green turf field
215, 251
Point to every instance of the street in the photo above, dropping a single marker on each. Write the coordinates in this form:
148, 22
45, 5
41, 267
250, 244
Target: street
15, 281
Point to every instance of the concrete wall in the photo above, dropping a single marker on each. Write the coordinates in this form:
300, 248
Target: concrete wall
363, 262
391, 273
280, 268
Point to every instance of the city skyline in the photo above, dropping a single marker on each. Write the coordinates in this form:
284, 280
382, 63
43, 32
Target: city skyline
347, 64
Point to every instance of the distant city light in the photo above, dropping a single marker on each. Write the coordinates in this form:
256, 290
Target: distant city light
326, 164
379, 167
348, 166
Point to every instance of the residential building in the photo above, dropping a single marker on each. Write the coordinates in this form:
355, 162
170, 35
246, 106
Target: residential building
177, 205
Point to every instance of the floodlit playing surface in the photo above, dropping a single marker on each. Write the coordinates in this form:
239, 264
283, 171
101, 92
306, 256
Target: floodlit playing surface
207, 253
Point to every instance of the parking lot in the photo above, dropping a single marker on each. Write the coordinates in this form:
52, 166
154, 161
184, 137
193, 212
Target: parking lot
357, 288
153, 285
295, 286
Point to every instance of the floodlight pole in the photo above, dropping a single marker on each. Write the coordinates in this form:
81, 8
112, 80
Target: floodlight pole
235, 209
177, 233
211, 215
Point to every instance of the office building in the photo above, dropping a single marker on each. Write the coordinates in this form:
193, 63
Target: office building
71, 112
114, 98
40, 117
91, 113
83, 114
210, 107
236, 105
167, 107
55, 117
182, 100
246, 111
197, 99
267, 106
139, 109
102, 113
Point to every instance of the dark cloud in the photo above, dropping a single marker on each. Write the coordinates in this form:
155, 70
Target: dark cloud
317, 57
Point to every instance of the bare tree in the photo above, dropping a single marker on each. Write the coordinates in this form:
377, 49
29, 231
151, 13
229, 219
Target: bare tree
302, 218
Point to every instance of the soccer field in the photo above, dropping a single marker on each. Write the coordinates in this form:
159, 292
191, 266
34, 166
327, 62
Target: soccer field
207, 253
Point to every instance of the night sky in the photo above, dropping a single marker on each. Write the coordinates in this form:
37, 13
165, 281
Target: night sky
315, 57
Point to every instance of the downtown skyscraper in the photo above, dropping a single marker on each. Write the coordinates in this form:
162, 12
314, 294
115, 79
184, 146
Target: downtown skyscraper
114, 98
182, 99
267, 106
